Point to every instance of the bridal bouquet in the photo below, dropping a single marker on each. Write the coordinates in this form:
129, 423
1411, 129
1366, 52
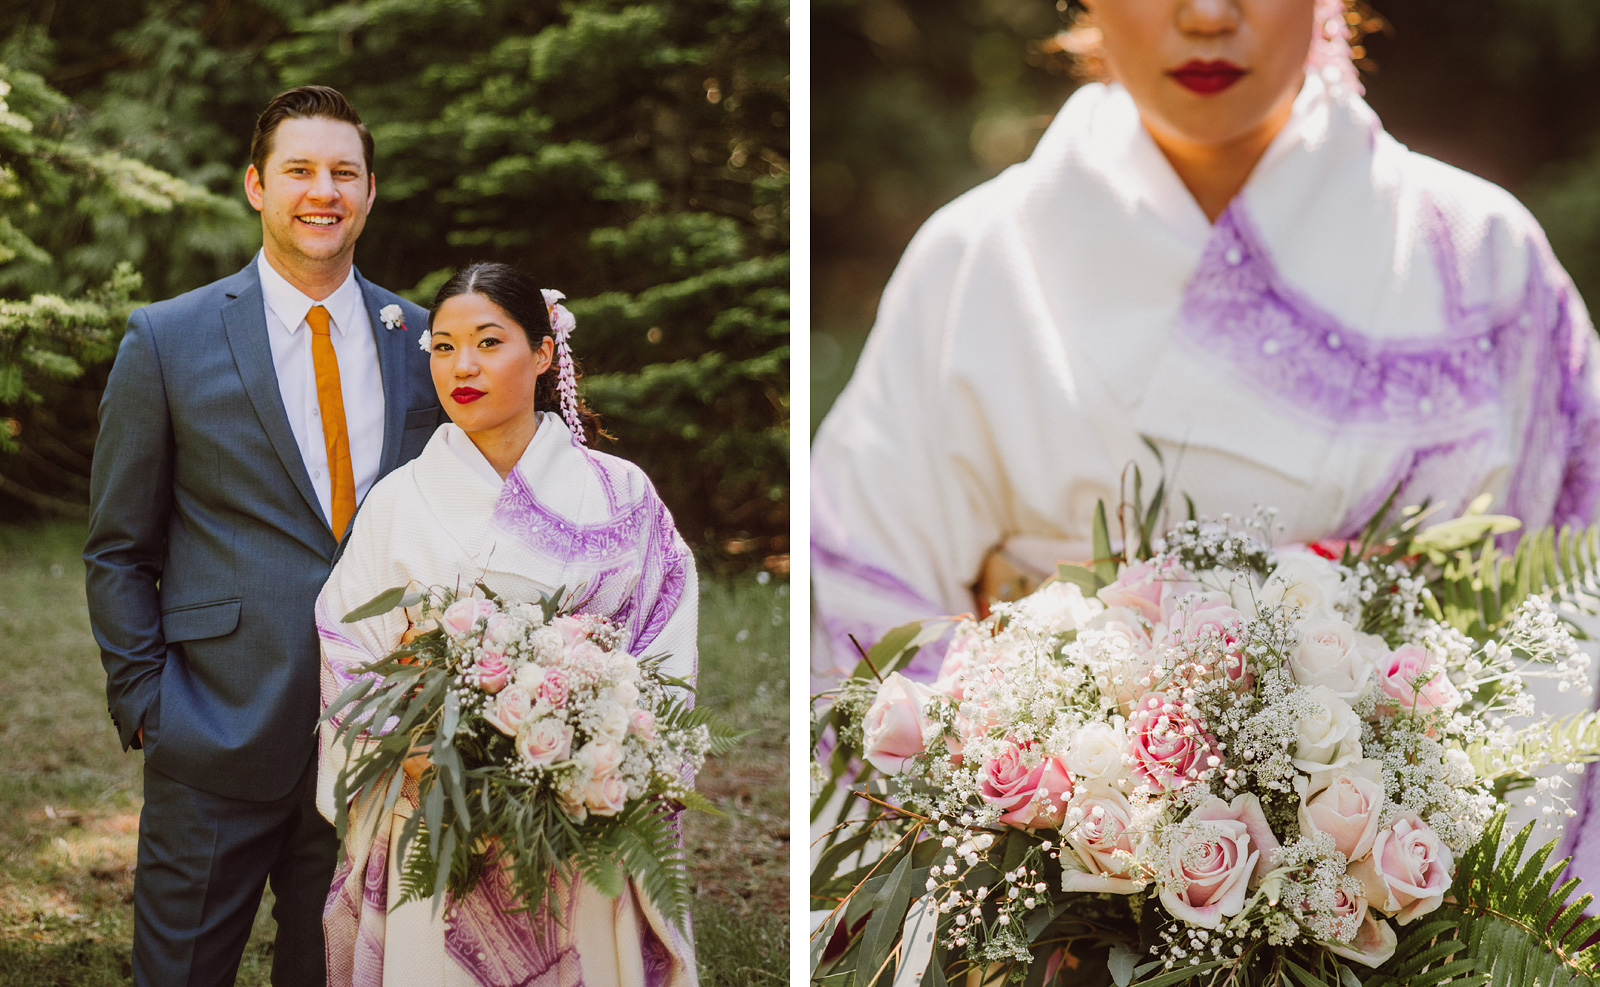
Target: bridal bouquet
1220, 762
550, 747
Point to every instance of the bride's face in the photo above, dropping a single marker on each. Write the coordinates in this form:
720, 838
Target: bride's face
483, 367
1208, 72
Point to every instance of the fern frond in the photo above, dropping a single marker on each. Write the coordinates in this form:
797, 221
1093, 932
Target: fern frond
1516, 929
1479, 589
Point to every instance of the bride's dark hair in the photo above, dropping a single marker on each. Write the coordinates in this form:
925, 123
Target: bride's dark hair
517, 296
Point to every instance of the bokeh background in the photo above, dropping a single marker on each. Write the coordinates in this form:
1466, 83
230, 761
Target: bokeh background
632, 153
915, 101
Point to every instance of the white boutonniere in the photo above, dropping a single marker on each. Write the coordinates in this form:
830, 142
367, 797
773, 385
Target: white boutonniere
391, 317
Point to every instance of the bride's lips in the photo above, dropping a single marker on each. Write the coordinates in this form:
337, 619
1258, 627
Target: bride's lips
1206, 78
466, 395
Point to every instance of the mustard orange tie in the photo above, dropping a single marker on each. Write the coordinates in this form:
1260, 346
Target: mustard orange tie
330, 398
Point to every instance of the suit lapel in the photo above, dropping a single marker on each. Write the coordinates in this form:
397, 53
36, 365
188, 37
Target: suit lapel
245, 319
391, 345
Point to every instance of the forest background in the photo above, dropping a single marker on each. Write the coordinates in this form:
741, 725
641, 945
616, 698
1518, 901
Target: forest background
633, 154
916, 101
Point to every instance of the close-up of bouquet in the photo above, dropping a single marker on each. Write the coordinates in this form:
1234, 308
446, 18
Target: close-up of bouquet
1209, 759
550, 749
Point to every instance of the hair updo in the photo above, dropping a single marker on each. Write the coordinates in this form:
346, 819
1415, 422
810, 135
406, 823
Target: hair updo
517, 296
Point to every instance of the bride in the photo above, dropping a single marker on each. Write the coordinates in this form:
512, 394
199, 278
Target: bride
506, 493
1221, 250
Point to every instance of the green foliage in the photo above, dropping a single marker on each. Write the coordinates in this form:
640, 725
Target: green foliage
1479, 586
631, 154
1518, 925
64, 202
473, 814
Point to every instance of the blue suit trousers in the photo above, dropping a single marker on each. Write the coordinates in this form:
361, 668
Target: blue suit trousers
204, 859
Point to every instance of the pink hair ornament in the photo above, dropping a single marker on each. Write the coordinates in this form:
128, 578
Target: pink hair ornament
562, 322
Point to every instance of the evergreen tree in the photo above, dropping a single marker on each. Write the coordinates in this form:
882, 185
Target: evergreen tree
64, 206
633, 155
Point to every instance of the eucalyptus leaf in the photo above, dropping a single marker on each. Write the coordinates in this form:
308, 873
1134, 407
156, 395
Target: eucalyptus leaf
390, 598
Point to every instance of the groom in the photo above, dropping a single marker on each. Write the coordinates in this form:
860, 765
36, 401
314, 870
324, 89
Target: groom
241, 424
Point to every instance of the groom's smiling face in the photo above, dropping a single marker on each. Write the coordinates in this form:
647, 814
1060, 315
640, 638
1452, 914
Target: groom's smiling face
313, 194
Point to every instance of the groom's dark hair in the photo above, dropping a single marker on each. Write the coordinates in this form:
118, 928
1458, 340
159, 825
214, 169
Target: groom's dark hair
299, 102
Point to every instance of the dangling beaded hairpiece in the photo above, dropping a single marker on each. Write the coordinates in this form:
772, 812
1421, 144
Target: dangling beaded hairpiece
563, 323
1331, 54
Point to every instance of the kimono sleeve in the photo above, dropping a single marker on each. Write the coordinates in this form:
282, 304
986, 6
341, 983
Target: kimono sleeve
365, 570
899, 521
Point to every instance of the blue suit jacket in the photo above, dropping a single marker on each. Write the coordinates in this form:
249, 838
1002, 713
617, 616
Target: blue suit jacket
207, 546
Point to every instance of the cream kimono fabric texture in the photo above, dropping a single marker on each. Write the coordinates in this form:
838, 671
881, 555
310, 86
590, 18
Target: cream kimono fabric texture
1360, 318
565, 516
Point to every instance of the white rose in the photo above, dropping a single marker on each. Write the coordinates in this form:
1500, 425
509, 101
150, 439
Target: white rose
1058, 607
1302, 579
625, 694
599, 757
1102, 841
1330, 654
612, 720
528, 677
1328, 734
1096, 752
530, 612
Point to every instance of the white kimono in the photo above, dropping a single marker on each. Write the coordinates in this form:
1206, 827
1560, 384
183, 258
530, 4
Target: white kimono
565, 516
1360, 318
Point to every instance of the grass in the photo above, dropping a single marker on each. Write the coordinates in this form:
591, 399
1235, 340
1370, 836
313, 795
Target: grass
70, 798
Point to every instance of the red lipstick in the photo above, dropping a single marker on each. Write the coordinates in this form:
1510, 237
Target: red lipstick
1206, 78
466, 395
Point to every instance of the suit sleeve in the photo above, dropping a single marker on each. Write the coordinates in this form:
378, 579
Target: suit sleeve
130, 500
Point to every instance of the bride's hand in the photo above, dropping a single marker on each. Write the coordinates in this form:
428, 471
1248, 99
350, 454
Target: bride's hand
417, 763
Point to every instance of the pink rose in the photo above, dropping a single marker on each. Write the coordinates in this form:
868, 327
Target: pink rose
500, 630
1218, 851
493, 672
462, 616
602, 757
893, 728
1169, 747
1137, 587
606, 795
571, 628
1209, 618
1009, 783
545, 742
964, 644
1119, 637
642, 723
1345, 803
1408, 871
555, 688
586, 656
1374, 941
1102, 843
1412, 679
509, 710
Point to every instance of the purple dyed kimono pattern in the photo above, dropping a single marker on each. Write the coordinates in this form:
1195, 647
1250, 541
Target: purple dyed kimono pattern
1240, 311
629, 566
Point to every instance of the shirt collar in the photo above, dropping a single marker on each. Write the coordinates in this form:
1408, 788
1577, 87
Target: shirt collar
290, 304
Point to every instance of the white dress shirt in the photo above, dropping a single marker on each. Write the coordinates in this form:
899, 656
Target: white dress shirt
359, 380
